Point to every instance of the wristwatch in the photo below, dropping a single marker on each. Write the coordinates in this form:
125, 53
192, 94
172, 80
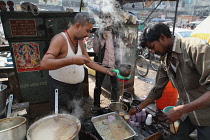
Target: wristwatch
138, 109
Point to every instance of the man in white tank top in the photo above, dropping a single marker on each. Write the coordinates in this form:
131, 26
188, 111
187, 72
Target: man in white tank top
65, 59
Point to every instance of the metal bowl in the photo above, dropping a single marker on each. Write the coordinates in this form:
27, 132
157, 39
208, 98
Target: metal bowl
118, 106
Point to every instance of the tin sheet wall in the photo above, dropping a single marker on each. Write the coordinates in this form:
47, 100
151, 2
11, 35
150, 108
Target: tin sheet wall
29, 37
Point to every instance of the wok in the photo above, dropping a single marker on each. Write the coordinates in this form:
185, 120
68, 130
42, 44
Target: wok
55, 127
113, 106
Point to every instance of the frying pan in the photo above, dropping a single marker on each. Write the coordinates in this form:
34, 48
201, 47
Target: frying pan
113, 106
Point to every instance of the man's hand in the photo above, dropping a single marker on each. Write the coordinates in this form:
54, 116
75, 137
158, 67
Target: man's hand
132, 111
173, 114
110, 72
79, 60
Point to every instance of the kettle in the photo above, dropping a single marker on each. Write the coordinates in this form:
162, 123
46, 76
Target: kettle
124, 69
123, 72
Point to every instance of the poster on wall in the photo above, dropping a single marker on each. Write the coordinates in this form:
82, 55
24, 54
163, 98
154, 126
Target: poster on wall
27, 56
23, 27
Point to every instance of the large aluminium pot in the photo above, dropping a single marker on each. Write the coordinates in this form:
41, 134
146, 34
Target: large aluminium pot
54, 127
2, 100
13, 128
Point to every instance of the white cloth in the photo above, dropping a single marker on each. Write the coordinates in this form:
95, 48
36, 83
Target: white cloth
71, 74
29, 7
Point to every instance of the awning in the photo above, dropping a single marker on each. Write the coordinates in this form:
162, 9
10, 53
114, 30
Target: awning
134, 1
202, 30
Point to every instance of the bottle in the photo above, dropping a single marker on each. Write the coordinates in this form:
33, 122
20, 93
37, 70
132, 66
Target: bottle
143, 115
138, 117
134, 118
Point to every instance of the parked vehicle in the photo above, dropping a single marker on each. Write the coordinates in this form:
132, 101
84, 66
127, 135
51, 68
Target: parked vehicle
180, 32
195, 23
154, 61
159, 20
142, 67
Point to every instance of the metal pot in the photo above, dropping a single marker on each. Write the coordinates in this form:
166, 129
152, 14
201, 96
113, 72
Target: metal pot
13, 128
60, 126
55, 127
2, 100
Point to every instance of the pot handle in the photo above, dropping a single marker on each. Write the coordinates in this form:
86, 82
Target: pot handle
9, 110
97, 109
56, 101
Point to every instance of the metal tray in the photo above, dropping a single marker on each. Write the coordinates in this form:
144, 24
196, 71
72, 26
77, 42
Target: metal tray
113, 129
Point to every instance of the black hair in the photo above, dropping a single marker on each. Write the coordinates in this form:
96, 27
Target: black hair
83, 18
152, 33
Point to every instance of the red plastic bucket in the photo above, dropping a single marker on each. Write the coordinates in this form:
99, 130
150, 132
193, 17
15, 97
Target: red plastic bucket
169, 97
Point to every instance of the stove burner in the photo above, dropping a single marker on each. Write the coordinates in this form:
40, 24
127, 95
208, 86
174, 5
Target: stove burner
87, 125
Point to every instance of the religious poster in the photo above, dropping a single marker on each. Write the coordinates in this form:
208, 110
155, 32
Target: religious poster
27, 57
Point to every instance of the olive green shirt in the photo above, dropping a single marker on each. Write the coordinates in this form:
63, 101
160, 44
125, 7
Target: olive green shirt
191, 58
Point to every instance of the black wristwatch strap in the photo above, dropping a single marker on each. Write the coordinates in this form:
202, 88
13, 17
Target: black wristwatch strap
137, 108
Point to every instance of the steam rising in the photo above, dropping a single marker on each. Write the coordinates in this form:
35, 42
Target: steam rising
105, 12
76, 106
109, 13
77, 111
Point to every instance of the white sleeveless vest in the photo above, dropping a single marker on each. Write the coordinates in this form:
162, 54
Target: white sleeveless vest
71, 74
